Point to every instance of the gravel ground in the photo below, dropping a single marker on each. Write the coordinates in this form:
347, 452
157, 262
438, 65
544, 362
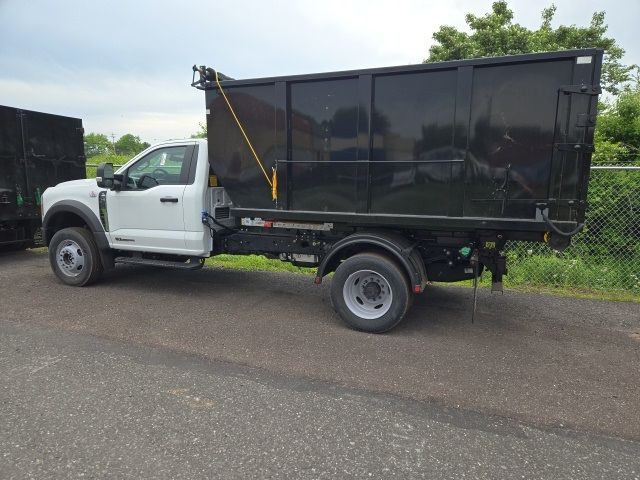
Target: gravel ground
239, 374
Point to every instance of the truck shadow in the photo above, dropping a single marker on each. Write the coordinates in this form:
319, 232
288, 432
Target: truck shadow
439, 307
21, 256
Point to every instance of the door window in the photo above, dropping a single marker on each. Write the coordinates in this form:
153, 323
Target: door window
165, 166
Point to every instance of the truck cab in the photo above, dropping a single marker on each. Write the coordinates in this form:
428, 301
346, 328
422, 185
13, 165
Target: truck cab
158, 203
155, 205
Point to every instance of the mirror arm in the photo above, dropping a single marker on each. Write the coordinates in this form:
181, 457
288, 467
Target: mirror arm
118, 181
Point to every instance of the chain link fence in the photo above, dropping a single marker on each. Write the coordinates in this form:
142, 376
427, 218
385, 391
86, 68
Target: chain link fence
605, 255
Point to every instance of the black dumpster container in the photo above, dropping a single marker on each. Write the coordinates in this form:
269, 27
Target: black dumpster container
37, 150
492, 143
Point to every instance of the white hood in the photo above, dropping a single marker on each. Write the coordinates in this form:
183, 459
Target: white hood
79, 183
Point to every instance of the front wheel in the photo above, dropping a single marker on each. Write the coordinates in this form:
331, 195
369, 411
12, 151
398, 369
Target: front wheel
370, 292
74, 256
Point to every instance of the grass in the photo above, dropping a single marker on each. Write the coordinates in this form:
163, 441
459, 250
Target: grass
612, 295
91, 171
600, 273
256, 263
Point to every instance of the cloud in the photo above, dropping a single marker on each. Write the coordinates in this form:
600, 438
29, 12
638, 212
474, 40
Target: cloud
150, 126
124, 66
154, 110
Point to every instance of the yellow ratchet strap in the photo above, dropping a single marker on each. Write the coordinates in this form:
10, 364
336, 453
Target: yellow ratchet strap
274, 184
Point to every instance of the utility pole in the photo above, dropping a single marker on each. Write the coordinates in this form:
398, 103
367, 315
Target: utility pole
113, 143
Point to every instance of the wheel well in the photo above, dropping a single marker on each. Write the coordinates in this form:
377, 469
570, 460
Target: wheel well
62, 220
392, 245
352, 250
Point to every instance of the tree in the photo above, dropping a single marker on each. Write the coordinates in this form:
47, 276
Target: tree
494, 34
202, 133
130, 144
96, 144
617, 135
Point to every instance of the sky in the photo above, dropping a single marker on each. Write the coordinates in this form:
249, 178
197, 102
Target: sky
125, 66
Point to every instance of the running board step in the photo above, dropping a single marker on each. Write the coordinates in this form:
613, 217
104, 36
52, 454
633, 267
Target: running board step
194, 264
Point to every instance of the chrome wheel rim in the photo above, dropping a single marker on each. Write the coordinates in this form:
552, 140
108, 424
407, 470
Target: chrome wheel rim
367, 294
70, 258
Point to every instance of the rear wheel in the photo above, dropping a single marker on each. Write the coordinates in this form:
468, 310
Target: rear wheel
370, 292
74, 256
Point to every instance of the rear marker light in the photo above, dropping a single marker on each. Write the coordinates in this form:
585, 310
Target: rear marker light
318, 280
417, 289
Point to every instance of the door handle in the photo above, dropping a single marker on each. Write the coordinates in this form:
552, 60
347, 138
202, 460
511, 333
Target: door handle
169, 200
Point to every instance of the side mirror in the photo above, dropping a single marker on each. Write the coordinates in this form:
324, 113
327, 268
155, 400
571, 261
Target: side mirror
104, 175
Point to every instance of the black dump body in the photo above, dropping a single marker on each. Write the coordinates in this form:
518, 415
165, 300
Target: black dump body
37, 150
463, 145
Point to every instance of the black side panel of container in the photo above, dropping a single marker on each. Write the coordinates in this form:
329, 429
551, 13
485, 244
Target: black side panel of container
229, 153
413, 153
10, 154
37, 150
324, 145
54, 152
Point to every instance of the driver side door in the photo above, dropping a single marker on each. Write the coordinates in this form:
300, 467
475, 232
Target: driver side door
147, 213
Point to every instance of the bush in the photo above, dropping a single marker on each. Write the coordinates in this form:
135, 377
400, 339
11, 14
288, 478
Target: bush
117, 160
560, 270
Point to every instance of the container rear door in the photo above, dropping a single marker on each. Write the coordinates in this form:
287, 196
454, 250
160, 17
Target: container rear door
573, 146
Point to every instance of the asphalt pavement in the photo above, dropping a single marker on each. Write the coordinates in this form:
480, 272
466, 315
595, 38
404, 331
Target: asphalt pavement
230, 374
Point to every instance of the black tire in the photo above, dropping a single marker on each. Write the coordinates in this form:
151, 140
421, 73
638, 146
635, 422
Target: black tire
82, 265
350, 276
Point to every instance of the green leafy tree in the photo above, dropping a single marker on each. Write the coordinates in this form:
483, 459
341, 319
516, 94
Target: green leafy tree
202, 133
494, 34
130, 144
617, 136
96, 144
